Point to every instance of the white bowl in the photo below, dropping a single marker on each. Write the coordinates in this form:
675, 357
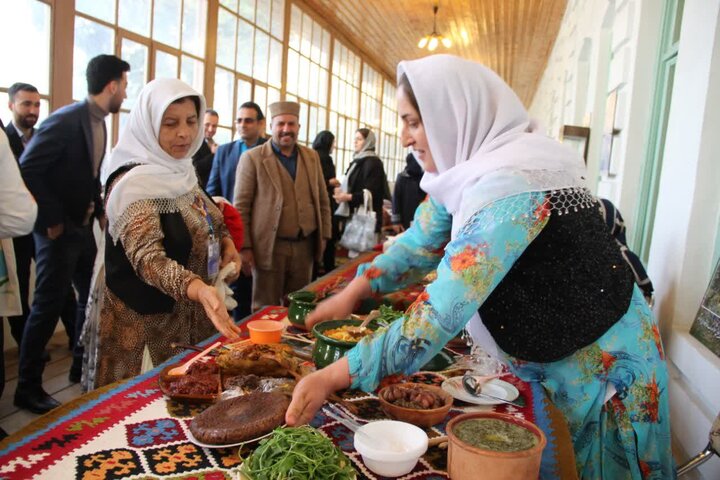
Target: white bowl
390, 448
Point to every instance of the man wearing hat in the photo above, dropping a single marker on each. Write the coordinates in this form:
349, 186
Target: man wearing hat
280, 194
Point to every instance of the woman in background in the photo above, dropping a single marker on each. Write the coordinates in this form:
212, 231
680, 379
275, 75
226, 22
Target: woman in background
165, 241
324, 144
407, 194
365, 172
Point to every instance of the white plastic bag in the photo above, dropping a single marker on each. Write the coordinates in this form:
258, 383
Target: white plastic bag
359, 234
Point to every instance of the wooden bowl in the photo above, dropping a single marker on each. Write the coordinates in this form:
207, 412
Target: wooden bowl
164, 381
417, 416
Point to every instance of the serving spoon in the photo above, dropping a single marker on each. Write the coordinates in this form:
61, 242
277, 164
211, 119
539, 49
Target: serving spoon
182, 369
474, 388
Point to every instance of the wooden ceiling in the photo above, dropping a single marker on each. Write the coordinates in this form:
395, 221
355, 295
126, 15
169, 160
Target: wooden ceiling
513, 37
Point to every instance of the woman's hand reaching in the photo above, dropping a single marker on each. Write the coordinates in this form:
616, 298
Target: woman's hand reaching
209, 298
340, 305
310, 393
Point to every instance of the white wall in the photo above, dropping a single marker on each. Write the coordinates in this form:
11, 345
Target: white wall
624, 36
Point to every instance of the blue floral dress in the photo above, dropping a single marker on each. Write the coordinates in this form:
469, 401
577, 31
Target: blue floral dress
627, 436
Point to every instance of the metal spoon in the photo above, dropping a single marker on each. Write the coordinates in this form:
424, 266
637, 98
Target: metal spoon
472, 387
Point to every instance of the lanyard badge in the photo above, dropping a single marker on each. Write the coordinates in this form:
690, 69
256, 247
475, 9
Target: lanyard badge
213, 244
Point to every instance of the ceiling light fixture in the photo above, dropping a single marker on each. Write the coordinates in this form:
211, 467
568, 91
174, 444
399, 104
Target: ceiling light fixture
434, 39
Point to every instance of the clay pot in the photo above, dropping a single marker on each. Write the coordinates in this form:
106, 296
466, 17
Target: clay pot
416, 416
465, 461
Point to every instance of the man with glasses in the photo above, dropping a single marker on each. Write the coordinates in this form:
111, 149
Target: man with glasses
250, 125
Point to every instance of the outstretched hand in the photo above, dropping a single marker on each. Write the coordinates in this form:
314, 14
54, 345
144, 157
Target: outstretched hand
214, 307
312, 391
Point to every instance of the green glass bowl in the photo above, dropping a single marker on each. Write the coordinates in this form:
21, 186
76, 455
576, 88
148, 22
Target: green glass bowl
302, 302
327, 349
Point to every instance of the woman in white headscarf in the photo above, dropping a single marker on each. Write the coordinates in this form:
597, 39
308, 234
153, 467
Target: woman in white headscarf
165, 239
366, 172
518, 241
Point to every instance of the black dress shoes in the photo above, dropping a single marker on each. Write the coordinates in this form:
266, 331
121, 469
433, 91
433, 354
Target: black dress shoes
75, 375
35, 400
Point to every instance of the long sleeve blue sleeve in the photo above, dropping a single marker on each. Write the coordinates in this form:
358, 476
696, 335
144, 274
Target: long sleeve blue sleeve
473, 264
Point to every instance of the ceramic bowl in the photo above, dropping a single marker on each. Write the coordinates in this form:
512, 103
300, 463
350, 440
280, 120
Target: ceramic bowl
407, 444
465, 461
302, 302
326, 349
417, 416
265, 331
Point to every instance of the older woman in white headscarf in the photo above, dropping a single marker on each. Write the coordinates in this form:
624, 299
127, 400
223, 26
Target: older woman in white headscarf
165, 240
525, 262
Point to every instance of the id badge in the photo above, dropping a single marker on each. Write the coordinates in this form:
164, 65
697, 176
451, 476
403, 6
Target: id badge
213, 257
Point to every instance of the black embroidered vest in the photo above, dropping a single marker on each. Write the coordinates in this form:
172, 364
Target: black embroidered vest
120, 277
570, 285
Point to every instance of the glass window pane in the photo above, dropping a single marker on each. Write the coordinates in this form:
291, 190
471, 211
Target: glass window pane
290, 98
295, 27
316, 43
278, 16
247, 9
302, 135
245, 48
223, 103
273, 96
166, 22
275, 65
303, 80
102, 9
166, 65
27, 22
325, 53
231, 4
323, 88
135, 16
223, 135
292, 71
192, 72
262, 54
193, 27
91, 39
226, 33
262, 18
136, 54
312, 123
260, 97
244, 93
306, 41
314, 83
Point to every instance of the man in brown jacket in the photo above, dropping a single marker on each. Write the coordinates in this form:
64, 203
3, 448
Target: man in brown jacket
280, 194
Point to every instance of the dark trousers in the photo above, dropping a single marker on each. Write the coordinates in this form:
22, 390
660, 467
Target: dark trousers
61, 263
24, 252
242, 293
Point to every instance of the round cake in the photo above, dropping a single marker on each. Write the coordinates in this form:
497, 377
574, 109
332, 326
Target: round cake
241, 418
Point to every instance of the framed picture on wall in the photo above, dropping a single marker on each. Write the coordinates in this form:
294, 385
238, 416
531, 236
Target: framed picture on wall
706, 327
608, 134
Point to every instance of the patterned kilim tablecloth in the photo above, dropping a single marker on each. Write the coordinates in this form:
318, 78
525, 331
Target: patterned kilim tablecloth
132, 431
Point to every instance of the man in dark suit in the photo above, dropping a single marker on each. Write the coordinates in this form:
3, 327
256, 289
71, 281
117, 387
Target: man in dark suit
24, 103
61, 167
203, 159
250, 124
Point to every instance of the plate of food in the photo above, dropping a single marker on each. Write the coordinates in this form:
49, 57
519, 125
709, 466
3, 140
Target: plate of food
495, 387
295, 452
201, 383
239, 420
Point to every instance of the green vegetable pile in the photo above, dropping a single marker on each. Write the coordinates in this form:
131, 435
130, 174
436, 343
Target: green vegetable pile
297, 453
388, 315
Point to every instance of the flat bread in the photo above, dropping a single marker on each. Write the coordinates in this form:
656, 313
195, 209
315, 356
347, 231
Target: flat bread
241, 418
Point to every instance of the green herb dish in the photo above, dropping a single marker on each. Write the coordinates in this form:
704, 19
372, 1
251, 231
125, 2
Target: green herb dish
302, 302
327, 349
300, 453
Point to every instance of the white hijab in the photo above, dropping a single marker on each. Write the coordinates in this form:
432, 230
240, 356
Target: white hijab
159, 177
476, 125
478, 129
